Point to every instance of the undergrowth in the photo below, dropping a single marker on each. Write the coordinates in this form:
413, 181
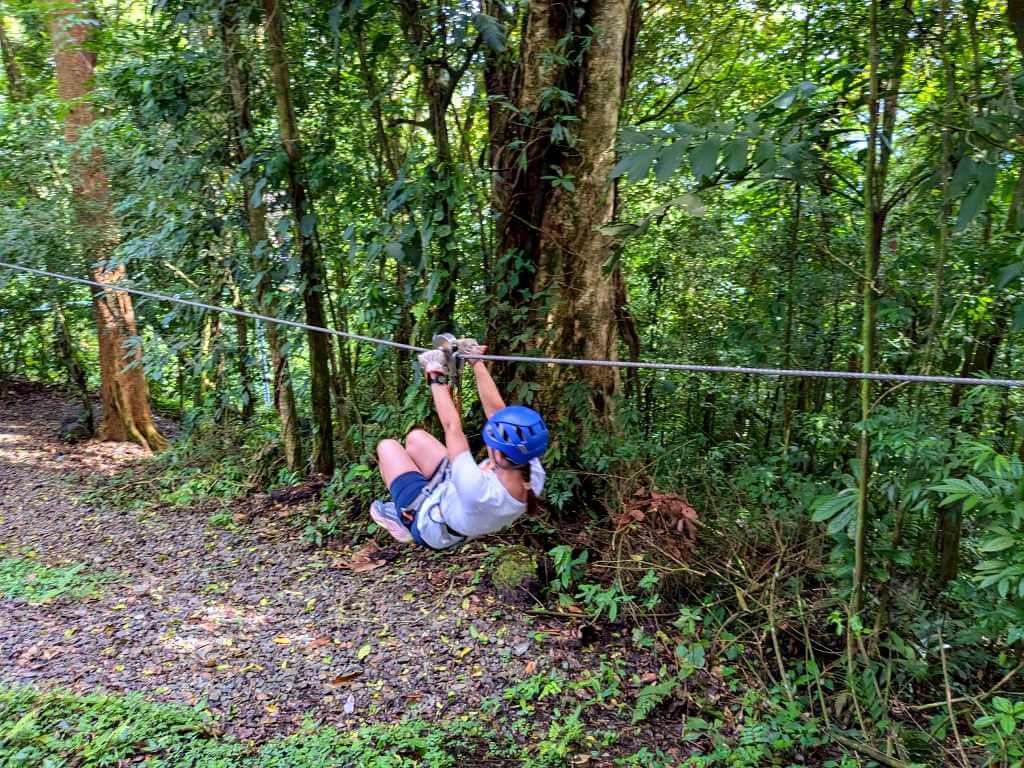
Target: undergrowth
210, 461
47, 730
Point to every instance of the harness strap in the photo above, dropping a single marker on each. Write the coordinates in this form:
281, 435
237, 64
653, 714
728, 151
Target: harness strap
441, 474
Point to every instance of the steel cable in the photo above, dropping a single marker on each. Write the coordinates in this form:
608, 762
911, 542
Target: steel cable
518, 359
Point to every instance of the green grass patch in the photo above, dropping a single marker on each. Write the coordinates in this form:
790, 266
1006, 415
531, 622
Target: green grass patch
21, 577
47, 730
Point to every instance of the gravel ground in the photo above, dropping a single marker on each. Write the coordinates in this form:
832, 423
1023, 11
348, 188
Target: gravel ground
263, 629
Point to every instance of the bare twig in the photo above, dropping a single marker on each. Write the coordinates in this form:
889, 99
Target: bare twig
949, 701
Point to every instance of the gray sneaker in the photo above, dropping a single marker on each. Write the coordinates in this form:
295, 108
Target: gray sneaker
386, 516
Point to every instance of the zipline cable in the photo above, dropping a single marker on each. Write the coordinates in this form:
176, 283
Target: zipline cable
796, 373
793, 372
214, 308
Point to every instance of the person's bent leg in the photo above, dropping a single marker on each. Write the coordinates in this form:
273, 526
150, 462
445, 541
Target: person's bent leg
394, 461
425, 450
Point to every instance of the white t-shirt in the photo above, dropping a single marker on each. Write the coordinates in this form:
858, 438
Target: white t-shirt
472, 502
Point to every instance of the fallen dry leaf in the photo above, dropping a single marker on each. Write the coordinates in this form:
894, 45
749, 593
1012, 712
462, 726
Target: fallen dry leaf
347, 677
363, 559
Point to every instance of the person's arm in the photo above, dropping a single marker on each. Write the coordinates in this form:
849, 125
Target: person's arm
490, 397
454, 438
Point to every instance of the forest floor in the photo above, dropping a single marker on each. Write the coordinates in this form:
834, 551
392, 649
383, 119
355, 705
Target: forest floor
263, 630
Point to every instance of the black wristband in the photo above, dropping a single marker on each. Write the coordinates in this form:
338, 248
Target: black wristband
437, 378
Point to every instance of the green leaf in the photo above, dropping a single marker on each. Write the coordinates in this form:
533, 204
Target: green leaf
670, 159
491, 31
785, 99
364, 651
257, 193
697, 657
308, 224
765, 151
1010, 273
635, 164
962, 176
642, 163
736, 154
840, 521
977, 197
998, 544
1018, 318
704, 157
830, 506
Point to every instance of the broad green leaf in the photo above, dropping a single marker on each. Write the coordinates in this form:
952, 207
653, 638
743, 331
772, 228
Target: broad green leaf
704, 157
962, 176
828, 506
765, 151
1010, 273
841, 520
998, 544
364, 651
670, 159
785, 99
977, 197
736, 154
642, 163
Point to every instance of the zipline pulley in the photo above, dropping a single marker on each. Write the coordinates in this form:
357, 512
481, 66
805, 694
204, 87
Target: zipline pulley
453, 362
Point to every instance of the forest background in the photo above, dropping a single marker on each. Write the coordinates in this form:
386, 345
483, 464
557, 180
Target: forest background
834, 185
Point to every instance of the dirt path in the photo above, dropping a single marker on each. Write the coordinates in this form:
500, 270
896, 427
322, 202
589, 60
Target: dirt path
264, 630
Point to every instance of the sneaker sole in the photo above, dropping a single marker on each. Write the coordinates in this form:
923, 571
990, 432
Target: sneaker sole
398, 531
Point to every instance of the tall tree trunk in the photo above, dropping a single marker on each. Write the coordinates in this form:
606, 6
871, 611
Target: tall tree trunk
305, 234
12, 71
549, 235
124, 392
259, 242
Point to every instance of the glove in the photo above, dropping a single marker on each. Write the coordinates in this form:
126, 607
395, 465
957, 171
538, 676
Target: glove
471, 347
433, 361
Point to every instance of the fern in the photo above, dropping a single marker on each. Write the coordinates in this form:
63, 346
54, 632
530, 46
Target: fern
651, 696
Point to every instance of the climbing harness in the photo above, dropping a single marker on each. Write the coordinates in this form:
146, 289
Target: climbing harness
520, 359
425, 513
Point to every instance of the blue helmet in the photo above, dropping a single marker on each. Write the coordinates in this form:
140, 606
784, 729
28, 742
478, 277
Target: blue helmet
518, 432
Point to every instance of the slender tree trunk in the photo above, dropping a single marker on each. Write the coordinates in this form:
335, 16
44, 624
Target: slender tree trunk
438, 79
882, 112
15, 91
124, 392
209, 355
243, 357
787, 337
259, 245
305, 234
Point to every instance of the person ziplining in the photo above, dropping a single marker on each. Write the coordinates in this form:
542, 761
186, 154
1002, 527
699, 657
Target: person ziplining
441, 497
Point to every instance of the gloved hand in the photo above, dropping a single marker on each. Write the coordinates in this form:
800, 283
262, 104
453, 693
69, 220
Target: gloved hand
471, 347
433, 361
